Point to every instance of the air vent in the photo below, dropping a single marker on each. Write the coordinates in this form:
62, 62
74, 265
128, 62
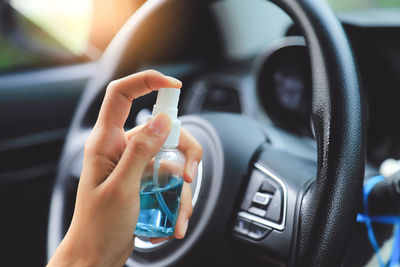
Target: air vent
220, 98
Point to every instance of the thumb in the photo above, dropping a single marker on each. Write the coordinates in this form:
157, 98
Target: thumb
141, 147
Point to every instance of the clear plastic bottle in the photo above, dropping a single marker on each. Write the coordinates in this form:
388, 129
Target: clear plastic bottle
162, 181
159, 201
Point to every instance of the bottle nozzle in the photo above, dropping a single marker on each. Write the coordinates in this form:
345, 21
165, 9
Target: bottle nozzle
167, 102
168, 97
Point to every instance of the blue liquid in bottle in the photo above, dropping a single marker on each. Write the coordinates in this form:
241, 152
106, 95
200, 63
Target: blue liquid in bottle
159, 207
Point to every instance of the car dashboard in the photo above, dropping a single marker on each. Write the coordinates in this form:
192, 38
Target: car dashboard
276, 86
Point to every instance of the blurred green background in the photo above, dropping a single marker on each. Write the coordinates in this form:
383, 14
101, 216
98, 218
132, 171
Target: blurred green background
346, 5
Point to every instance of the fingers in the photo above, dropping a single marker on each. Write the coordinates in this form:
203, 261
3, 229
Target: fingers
189, 146
193, 153
185, 212
156, 240
140, 149
120, 93
133, 131
107, 142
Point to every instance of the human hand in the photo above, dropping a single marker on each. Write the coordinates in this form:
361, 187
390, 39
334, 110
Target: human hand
107, 203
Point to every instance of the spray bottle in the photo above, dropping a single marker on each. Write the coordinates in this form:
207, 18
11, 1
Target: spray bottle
162, 181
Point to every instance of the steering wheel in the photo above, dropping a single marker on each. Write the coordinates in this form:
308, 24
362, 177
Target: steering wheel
313, 203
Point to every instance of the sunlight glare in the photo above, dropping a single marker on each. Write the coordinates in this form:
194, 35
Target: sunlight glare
68, 21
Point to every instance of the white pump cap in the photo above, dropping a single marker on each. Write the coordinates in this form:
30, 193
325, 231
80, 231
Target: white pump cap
167, 102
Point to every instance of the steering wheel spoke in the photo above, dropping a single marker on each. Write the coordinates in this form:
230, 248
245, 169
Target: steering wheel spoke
269, 208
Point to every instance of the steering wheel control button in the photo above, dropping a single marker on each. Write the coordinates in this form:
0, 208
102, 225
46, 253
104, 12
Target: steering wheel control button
274, 210
267, 187
265, 199
242, 226
258, 211
258, 231
262, 198
255, 182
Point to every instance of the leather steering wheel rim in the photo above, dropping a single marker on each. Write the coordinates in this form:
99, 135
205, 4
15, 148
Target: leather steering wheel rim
328, 211
329, 208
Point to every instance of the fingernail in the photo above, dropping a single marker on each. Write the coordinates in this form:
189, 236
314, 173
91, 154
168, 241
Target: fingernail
174, 80
157, 240
193, 169
159, 125
184, 227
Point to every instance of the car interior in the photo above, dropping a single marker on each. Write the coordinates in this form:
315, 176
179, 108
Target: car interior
294, 102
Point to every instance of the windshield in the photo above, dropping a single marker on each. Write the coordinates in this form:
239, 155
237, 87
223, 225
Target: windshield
66, 21
40, 33
341, 5
368, 12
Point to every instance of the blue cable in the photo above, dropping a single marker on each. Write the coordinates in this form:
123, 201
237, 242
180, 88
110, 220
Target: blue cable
370, 231
395, 258
384, 219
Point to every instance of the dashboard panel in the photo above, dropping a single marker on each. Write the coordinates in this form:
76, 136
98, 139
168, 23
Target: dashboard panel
275, 86
283, 84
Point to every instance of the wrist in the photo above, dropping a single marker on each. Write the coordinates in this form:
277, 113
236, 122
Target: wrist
71, 254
